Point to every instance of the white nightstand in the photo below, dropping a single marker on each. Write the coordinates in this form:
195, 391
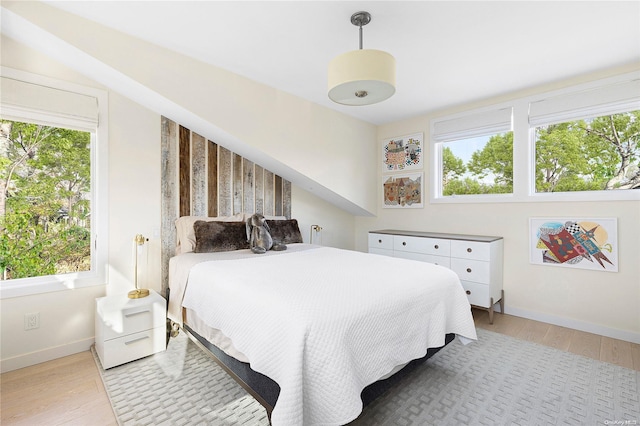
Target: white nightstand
129, 329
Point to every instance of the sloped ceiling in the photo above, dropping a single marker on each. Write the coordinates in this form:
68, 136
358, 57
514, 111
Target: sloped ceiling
447, 52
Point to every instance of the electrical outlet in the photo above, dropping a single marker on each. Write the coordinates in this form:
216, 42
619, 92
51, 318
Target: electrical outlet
32, 321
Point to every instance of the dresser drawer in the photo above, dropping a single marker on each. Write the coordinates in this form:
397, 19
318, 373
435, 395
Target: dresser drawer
471, 250
471, 270
432, 246
380, 241
134, 346
384, 252
438, 260
478, 294
429, 258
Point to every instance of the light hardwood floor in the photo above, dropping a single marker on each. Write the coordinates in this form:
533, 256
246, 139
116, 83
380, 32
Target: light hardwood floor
614, 351
65, 391
69, 391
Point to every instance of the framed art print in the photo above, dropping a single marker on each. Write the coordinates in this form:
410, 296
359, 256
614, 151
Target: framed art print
403, 153
574, 242
403, 190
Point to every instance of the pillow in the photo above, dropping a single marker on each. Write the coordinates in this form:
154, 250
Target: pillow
186, 238
220, 236
285, 231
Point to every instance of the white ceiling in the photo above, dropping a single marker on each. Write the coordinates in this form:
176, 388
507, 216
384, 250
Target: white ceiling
447, 52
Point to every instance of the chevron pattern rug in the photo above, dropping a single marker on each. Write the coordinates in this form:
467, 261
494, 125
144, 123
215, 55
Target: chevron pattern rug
498, 380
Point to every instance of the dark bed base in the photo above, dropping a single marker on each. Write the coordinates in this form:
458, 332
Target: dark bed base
266, 391
259, 386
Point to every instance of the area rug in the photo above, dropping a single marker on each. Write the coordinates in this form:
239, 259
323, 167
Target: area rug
498, 380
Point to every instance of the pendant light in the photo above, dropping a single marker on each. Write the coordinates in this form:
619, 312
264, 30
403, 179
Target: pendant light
364, 76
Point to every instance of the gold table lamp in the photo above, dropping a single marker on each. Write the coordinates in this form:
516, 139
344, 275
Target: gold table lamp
138, 293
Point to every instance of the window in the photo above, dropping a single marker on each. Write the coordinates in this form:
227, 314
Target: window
576, 144
52, 180
594, 154
475, 154
45, 200
587, 140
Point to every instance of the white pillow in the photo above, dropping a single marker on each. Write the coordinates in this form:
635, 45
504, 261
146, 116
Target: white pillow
186, 236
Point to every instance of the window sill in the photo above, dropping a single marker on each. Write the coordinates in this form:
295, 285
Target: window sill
32, 286
561, 197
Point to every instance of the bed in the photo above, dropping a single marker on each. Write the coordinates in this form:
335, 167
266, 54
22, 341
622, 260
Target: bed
311, 330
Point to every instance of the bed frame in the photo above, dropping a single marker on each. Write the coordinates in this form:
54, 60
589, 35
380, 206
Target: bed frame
266, 391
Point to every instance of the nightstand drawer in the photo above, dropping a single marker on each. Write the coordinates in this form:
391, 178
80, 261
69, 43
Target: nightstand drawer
471, 270
470, 250
132, 347
120, 316
380, 241
478, 294
432, 246
132, 320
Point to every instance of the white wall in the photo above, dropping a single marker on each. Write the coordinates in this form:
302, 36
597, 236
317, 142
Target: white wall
337, 225
601, 302
134, 194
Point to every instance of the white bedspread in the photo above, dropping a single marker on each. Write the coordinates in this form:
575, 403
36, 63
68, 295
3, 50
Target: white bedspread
324, 323
180, 267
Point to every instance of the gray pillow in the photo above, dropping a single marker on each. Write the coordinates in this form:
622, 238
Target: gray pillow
220, 236
285, 231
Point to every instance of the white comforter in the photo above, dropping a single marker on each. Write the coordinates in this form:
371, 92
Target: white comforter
324, 323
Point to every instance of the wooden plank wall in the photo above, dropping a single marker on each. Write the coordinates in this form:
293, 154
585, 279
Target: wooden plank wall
202, 178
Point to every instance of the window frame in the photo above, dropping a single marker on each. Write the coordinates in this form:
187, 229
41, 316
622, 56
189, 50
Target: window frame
524, 159
496, 123
99, 186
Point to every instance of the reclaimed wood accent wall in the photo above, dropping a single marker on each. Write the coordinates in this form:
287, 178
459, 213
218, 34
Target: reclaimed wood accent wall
202, 178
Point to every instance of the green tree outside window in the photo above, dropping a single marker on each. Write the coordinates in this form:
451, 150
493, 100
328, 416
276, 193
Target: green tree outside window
598, 154
45, 187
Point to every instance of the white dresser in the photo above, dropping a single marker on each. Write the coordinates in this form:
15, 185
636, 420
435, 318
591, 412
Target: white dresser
129, 329
478, 260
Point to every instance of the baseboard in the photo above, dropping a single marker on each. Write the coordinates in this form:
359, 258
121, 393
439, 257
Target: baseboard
614, 333
33, 358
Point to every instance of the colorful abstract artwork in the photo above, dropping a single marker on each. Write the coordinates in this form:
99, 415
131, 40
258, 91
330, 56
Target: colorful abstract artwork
402, 153
402, 190
575, 243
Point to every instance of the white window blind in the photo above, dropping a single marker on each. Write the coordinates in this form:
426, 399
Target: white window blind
469, 126
609, 99
42, 104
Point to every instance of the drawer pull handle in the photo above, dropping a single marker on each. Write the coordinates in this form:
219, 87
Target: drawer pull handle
380, 241
468, 291
468, 269
136, 340
469, 250
404, 243
436, 247
136, 313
